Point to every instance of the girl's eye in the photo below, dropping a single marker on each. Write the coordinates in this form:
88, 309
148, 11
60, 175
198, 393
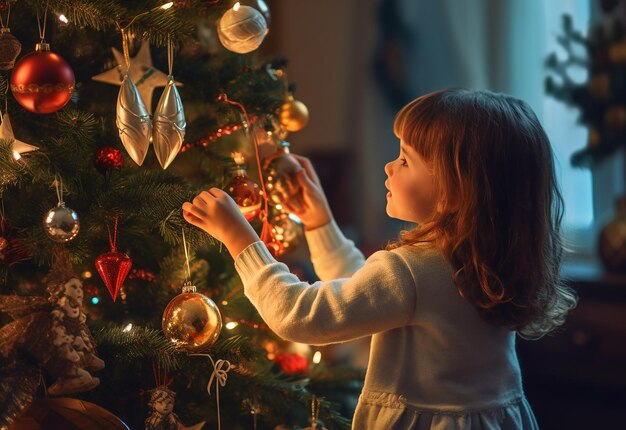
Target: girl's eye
403, 161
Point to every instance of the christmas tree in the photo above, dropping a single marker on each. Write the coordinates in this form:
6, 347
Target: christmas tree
113, 115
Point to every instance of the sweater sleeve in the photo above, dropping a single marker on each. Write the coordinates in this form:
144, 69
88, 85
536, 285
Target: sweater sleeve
332, 254
378, 297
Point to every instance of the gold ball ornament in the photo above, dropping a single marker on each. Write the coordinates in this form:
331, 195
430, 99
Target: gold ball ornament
191, 320
286, 233
279, 170
294, 115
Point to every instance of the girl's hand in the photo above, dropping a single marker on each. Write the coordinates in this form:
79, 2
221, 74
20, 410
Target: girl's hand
313, 209
216, 212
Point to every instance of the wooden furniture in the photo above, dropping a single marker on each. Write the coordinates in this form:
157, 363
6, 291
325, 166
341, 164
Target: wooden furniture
576, 378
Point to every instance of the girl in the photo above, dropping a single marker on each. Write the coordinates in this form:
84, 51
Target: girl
445, 301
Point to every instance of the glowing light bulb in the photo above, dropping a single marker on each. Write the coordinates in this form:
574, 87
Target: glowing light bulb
231, 325
317, 357
63, 19
167, 5
236, 6
128, 327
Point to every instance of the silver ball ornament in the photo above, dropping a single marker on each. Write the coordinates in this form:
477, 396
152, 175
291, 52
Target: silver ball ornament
61, 223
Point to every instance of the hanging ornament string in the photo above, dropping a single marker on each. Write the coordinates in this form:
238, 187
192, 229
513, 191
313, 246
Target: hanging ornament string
125, 48
255, 410
113, 238
157, 380
58, 185
170, 55
8, 15
42, 28
220, 375
188, 280
125, 30
266, 230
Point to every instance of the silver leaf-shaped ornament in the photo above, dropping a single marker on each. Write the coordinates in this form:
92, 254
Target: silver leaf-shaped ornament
169, 124
133, 121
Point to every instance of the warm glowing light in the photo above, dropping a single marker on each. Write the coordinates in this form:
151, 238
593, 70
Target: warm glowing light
279, 207
167, 5
224, 303
128, 327
16, 155
87, 274
238, 158
236, 6
63, 19
231, 325
317, 357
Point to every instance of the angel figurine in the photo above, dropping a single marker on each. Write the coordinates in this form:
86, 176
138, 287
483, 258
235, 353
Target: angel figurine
53, 330
162, 416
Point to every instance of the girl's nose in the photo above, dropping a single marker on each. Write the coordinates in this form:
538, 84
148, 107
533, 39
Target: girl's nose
388, 168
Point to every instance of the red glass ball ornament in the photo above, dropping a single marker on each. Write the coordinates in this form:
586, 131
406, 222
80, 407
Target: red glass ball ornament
108, 158
113, 268
42, 81
246, 193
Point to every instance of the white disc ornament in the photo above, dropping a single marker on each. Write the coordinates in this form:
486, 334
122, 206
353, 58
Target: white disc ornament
133, 121
61, 223
169, 125
242, 29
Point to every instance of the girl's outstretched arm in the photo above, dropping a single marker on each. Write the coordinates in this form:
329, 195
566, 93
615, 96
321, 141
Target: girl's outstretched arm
380, 296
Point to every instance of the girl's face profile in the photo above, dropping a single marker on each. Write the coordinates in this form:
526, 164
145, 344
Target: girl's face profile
411, 187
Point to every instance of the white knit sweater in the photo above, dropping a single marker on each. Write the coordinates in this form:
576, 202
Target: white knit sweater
434, 363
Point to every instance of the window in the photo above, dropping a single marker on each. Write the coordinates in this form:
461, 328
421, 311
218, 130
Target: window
567, 136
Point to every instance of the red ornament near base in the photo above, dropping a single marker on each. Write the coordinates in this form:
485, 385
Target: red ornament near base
42, 81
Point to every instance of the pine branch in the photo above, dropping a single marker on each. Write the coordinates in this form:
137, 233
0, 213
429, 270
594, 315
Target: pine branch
139, 343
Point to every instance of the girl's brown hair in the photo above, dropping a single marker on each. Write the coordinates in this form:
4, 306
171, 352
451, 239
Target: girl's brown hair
499, 216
